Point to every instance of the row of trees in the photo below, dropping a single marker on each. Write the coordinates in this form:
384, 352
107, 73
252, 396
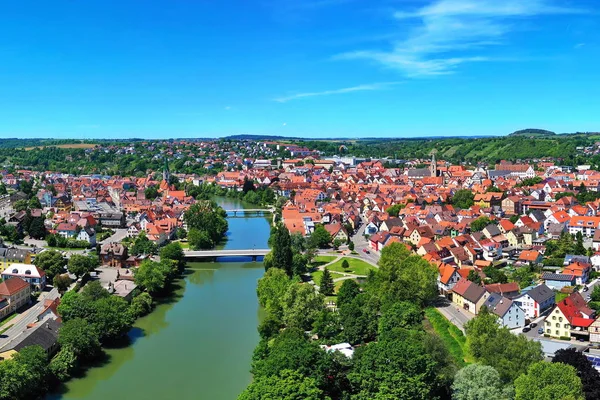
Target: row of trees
91, 318
399, 359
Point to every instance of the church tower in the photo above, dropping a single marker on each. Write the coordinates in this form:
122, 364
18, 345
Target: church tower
433, 167
166, 174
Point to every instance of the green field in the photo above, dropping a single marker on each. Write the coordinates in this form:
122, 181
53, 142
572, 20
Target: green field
356, 266
453, 337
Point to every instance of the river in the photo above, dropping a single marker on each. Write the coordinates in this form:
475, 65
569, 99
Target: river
197, 345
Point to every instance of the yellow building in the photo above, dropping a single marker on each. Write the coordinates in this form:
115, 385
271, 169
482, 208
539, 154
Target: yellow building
9, 256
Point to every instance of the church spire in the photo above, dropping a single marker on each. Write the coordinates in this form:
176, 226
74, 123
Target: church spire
166, 173
433, 166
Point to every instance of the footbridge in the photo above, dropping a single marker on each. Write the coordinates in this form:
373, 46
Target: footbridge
249, 210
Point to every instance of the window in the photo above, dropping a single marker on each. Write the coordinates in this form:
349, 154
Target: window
557, 325
560, 319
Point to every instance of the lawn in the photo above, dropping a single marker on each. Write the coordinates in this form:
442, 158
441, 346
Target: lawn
5, 320
322, 260
453, 337
316, 276
356, 266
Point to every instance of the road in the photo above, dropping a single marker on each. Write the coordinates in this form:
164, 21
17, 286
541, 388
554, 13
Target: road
361, 243
118, 236
453, 313
19, 323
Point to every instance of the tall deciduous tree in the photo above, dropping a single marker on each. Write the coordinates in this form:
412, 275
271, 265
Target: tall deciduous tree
271, 289
301, 305
287, 385
545, 380
463, 198
590, 378
80, 337
479, 382
51, 261
347, 292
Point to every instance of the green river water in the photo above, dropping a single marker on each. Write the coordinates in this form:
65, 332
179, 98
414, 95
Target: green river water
197, 345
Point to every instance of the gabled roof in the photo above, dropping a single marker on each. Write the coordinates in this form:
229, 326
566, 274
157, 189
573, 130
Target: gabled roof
540, 293
12, 285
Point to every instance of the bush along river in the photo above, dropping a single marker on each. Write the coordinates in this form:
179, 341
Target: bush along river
198, 343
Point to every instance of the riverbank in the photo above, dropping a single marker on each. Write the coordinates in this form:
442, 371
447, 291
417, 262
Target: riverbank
198, 343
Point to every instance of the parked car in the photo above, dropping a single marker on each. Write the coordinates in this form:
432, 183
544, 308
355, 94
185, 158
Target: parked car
541, 331
585, 288
366, 251
532, 325
526, 329
581, 340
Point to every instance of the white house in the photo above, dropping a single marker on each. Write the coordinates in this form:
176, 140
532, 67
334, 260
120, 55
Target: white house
28, 272
535, 301
87, 234
508, 312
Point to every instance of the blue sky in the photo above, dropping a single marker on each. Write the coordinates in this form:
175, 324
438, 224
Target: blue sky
309, 68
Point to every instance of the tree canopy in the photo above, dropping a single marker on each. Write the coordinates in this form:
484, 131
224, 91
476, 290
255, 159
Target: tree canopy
544, 381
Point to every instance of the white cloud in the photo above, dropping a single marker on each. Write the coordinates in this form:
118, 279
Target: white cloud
284, 124
447, 33
228, 108
579, 45
359, 88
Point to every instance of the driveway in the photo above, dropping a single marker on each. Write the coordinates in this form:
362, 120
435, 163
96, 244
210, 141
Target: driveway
119, 235
19, 323
361, 243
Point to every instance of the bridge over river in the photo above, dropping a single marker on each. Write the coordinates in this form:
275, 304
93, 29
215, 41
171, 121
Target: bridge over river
198, 254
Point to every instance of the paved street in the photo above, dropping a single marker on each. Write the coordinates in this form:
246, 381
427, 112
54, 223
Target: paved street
361, 243
19, 323
119, 235
453, 313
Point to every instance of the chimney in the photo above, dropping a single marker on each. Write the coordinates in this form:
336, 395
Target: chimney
47, 325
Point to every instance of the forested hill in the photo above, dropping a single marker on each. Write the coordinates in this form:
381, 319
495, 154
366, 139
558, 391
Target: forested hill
473, 150
532, 132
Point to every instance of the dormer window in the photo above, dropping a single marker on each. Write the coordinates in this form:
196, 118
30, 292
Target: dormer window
15, 271
28, 272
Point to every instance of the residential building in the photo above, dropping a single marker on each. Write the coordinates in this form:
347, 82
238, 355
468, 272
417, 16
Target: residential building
14, 294
535, 301
29, 273
469, 295
558, 281
113, 255
508, 311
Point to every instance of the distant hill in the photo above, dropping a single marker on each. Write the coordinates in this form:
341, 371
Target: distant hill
532, 132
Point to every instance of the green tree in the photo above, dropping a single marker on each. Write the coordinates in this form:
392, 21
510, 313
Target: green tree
480, 223
270, 326
394, 210
351, 245
474, 277
579, 248
360, 318
291, 349
112, 317
34, 202
492, 345
589, 376
50, 261
151, 276
80, 265
143, 245
287, 385
345, 265
207, 216
347, 292
281, 253
37, 229
545, 380
151, 192
479, 382
94, 291
173, 252
326, 286
403, 314
463, 198
402, 277
20, 205
30, 368
74, 305
271, 289
63, 364
199, 240
141, 305
320, 237
301, 304
398, 369
80, 337
327, 324
61, 282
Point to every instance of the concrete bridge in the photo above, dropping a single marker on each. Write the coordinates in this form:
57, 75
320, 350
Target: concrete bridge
199, 254
249, 210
